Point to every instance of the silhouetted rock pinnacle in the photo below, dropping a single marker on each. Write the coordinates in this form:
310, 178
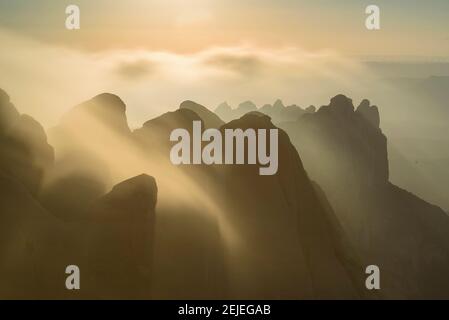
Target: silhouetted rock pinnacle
304, 263
121, 242
8, 113
105, 109
346, 153
87, 141
370, 113
278, 104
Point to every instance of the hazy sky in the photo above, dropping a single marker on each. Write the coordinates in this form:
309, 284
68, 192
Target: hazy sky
155, 54
408, 27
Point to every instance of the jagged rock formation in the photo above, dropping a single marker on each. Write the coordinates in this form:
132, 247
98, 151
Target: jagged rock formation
346, 152
155, 133
210, 119
302, 260
370, 113
246, 107
121, 241
25, 154
278, 112
287, 267
346, 141
87, 135
218, 231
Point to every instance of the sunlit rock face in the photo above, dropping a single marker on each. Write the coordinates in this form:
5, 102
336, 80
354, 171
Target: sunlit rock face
8, 113
229, 213
346, 153
278, 112
30, 240
88, 139
339, 144
189, 248
369, 112
221, 231
217, 231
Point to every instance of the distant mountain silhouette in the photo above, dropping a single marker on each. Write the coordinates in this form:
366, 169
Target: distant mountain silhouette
346, 152
309, 258
210, 232
419, 143
189, 253
278, 112
210, 119
25, 154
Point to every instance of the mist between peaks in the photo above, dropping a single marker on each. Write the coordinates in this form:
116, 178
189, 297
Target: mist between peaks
190, 150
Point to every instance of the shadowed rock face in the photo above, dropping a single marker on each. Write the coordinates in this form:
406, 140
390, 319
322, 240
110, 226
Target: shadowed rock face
189, 250
286, 246
8, 113
103, 110
278, 112
121, 240
24, 152
302, 260
255, 208
240, 235
346, 152
338, 144
181, 118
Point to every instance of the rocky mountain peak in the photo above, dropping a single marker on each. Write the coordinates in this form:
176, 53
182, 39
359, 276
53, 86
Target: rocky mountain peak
247, 106
103, 109
278, 104
369, 112
211, 120
342, 104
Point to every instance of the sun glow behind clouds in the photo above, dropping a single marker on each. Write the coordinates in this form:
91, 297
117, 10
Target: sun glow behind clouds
153, 82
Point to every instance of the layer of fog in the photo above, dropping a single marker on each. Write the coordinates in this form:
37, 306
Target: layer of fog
45, 81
